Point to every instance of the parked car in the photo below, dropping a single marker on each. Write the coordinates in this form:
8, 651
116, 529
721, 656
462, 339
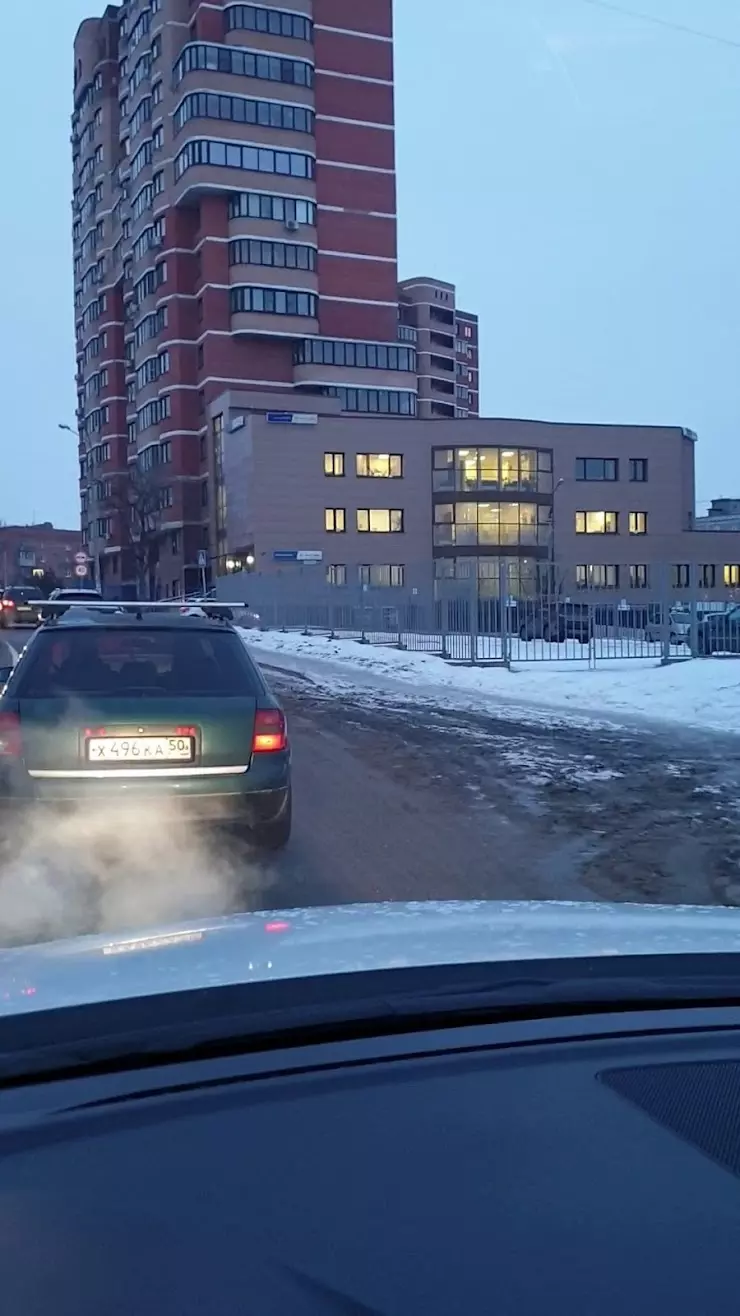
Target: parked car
240, 614
679, 623
555, 621
719, 632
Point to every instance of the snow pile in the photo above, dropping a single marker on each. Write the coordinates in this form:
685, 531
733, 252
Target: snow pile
699, 693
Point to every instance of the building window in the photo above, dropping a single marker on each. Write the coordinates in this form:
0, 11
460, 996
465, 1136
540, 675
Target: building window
597, 523
273, 301
281, 255
333, 463
380, 520
335, 520
384, 465
361, 356
336, 574
382, 577
256, 18
265, 205
242, 64
731, 576
638, 470
597, 577
240, 109
707, 576
681, 575
251, 158
638, 523
597, 468
375, 401
638, 576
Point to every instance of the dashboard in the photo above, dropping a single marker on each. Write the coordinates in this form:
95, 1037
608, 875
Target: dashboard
568, 1165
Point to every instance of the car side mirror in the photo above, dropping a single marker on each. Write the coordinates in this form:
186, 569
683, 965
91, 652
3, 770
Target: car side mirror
5, 675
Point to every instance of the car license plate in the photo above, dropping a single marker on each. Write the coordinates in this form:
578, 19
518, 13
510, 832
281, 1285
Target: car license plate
140, 749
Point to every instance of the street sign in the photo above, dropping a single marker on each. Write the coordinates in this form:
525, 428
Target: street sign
303, 555
202, 558
292, 418
81, 570
81, 559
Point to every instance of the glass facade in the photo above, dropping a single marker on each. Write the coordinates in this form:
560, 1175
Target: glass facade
520, 576
499, 470
494, 524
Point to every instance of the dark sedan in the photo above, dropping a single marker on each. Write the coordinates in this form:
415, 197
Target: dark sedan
719, 632
555, 621
20, 605
105, 704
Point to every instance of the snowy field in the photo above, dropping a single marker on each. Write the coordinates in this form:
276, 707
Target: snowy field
699, 693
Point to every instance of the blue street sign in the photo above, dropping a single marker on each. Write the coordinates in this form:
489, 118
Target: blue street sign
285, 555
291, 418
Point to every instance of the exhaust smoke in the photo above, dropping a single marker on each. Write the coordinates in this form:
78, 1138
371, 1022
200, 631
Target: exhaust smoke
118, 867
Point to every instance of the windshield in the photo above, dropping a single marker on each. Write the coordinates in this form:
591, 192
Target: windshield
405, 335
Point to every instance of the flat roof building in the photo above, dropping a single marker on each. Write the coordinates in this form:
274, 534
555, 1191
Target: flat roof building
603, 508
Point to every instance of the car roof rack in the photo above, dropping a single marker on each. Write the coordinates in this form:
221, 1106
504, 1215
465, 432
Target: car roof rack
56, 608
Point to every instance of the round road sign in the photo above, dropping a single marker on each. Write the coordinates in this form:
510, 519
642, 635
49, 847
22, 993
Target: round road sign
80, 569
81, 559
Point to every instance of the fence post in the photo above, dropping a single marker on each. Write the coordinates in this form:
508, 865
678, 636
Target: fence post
665, 617
473, 617
503, 610
444, 619
399, 626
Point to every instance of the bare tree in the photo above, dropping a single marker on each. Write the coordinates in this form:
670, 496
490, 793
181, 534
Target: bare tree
136, 498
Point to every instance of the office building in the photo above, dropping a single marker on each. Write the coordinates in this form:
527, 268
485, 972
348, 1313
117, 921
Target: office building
606, 509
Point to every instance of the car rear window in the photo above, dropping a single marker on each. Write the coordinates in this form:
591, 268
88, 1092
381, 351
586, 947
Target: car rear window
142, 662
20, 593
77, 596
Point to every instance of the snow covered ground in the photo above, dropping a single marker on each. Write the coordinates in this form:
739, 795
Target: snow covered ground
699, 693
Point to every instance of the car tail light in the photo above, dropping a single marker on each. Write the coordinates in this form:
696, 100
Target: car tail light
270, 732
8, 603
10, 735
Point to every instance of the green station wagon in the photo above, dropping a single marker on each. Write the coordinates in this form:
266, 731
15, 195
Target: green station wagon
118, 703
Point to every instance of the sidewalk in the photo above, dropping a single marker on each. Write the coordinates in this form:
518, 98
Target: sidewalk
700, 693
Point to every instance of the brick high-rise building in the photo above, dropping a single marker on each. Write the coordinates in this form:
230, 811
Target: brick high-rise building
234, 226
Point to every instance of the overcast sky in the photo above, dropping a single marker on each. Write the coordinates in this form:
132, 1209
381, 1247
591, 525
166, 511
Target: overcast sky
573, 169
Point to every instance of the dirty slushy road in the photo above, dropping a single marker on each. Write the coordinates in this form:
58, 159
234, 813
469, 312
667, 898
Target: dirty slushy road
400, 800
406, 799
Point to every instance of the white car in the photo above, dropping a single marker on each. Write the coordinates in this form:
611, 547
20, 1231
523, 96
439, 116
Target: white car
240, 615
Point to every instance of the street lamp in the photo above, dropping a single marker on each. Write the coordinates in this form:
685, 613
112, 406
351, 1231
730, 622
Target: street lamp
552, 533
96, 565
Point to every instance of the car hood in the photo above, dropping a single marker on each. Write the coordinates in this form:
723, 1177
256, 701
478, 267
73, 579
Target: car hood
298, 943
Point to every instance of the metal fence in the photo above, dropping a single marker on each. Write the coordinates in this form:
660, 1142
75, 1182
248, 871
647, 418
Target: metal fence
474, 621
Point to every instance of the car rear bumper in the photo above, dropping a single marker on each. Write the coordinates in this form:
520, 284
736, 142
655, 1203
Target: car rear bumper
256, 795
